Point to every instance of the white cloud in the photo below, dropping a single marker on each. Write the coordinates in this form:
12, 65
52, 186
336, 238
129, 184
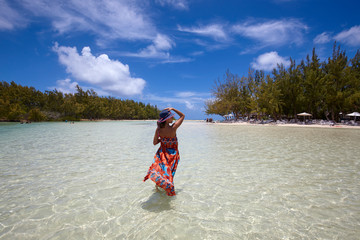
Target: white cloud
9, 18
178, 4
215, 31
350, 37
158, 49
322, 38
162, 42
197, 53
185, 94
177, 59
265, 33
191, 100
189, 105
268, 61
273, 32
108, 19
66, 86
109, 75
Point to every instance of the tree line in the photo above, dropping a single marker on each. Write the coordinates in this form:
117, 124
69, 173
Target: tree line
26, 103
327, 90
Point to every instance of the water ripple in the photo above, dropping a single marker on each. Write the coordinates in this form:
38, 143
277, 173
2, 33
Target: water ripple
84, 181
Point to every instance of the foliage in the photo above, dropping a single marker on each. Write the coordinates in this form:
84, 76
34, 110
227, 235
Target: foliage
20, 103
324, 89
36, 115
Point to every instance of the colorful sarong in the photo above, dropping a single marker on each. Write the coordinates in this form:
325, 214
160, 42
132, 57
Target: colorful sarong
163, 169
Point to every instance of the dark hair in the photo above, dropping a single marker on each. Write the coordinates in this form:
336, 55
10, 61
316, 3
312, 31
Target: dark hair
161, 124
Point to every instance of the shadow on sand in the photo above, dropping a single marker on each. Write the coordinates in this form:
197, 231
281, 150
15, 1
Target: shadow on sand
158, 201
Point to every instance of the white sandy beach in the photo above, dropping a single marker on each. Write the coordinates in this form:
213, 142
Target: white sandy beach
290, 125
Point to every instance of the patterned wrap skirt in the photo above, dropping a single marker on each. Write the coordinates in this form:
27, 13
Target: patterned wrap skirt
163, 168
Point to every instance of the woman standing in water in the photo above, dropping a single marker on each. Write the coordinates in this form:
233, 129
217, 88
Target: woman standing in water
167, 157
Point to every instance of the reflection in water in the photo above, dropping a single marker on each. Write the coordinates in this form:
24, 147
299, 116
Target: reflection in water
84, 181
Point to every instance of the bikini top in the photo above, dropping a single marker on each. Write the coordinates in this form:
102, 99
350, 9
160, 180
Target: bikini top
168, 141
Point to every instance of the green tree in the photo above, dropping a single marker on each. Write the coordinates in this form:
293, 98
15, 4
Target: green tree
16, 113
36, 115
4, 109
313, 78
269, 97
229, 96
54, 101
336, 82
352, 102
255, 83
291, 87
16, 101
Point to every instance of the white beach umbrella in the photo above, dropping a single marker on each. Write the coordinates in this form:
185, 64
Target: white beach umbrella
353, 114
229, 115
304, 114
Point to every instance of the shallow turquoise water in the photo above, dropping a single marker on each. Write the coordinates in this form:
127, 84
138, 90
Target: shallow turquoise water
84, 181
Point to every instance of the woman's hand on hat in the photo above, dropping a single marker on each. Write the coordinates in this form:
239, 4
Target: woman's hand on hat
169, 108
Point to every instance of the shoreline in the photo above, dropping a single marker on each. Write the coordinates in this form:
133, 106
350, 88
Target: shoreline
336, 126
78, 120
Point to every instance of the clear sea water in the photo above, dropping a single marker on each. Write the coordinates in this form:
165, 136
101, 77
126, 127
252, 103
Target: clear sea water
84, 181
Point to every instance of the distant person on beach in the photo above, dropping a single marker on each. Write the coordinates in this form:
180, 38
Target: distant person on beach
167, 157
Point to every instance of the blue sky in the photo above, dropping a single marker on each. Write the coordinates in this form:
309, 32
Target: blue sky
164, 52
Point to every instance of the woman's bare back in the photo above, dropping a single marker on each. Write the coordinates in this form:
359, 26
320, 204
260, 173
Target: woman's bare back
167, 131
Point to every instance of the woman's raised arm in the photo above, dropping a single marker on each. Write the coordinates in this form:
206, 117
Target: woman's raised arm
180, 120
